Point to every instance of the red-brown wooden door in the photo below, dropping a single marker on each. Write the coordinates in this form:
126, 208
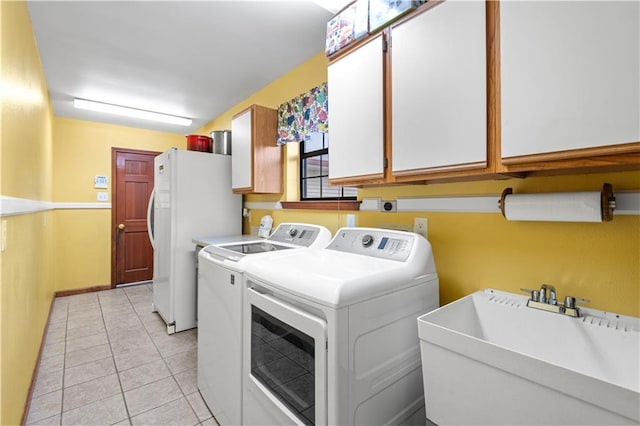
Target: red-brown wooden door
132, 254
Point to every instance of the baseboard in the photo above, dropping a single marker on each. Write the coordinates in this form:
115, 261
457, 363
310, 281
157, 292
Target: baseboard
36, 367
63, 293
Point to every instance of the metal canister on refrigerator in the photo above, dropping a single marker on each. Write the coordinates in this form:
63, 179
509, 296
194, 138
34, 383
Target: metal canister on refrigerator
221, 141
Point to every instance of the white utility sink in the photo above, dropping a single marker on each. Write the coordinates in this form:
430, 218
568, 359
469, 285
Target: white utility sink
489, 359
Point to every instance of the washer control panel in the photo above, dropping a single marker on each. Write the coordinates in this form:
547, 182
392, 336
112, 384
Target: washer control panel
295, 233
381, 243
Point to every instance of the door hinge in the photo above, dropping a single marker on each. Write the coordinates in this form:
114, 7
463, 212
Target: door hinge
385, 45
233, 279
385, 163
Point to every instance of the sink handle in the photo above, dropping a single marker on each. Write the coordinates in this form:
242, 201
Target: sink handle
533, 294
570, 301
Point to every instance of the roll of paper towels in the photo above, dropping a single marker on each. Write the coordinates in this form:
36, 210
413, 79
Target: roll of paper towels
558, 207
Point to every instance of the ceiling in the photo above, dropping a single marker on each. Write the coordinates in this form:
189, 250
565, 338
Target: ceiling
192, 59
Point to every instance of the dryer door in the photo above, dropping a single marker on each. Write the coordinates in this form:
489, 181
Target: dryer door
285, 368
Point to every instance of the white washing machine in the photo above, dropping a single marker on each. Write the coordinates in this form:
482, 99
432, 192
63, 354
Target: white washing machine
220, 303
330, 335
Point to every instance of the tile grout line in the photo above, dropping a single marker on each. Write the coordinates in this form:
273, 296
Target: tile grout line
113, 358
166, 365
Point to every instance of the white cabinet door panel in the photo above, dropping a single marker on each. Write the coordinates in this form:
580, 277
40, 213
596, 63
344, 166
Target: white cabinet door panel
356, 126
570, 75
241, 163
439, 87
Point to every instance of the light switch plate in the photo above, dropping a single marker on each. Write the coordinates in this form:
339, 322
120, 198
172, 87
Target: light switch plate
351, 220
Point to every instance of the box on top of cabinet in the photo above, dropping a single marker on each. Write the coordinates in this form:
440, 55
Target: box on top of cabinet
382, 12
348, 25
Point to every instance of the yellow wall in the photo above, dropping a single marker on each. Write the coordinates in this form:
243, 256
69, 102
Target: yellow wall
26, 286
81, 150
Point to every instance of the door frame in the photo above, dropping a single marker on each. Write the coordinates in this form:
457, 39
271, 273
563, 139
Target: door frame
114, 189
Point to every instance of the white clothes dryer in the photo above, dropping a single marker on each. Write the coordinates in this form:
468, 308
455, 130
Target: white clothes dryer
220, 304
330, 335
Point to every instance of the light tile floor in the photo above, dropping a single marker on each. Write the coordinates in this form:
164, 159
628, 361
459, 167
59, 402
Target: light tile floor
108, 360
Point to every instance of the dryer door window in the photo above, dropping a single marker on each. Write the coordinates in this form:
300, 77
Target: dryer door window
282, 359
288, 357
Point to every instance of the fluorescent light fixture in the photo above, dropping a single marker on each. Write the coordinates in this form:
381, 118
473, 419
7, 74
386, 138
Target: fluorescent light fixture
130, 112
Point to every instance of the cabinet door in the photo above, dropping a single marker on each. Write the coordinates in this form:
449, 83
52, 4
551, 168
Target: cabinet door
438, 83
569, 75
241, 158
355, 84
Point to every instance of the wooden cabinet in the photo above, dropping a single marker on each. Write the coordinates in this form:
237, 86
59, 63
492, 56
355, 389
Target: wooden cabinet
439, 90
416, 110
256, 159
468, 90
570, 85
356, 115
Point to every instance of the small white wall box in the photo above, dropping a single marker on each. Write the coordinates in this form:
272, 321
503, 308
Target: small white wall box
101, 181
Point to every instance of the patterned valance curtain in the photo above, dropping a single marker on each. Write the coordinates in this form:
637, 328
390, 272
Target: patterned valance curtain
303, 115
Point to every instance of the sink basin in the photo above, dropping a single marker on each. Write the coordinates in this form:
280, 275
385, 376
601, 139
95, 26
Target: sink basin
489, 359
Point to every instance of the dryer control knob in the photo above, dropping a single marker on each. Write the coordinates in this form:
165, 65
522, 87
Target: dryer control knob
367, 240
293, 232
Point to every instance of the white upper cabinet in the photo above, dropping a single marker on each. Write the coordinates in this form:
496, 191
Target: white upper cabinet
439, 89
570, 75
356, 113
241, 159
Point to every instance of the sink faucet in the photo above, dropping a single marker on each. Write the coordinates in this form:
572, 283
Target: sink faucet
540, 300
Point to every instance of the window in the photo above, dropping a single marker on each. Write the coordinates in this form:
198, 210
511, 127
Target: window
314, 171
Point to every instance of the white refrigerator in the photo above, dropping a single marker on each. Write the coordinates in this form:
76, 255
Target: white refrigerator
192, 198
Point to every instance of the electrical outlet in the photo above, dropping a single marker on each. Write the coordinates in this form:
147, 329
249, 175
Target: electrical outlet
420, 226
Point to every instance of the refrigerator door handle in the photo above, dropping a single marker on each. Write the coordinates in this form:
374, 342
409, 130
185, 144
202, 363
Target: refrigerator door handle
150, 217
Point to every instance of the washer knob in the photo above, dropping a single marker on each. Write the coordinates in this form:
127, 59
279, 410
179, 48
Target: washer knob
367, 240
293, 232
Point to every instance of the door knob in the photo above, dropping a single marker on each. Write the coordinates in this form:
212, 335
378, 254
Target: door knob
121, 226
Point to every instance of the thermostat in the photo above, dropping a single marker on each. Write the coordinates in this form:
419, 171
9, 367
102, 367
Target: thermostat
101, 181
